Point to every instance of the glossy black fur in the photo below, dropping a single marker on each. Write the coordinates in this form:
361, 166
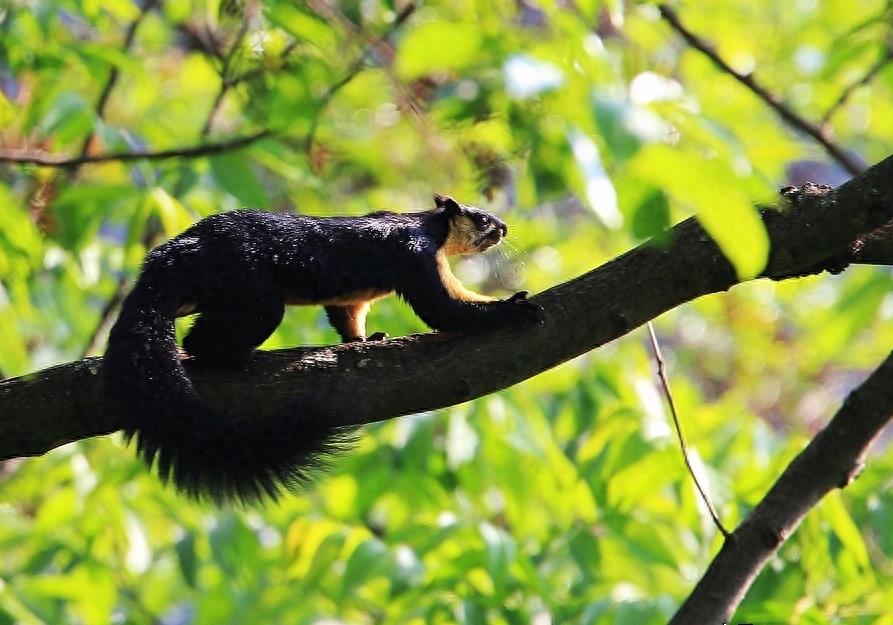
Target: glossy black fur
238, 270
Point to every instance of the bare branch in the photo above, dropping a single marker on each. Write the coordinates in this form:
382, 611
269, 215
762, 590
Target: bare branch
884, 60
113, 73
354, 69
795, 120
225, 81
39, 157
683, 447
830, 461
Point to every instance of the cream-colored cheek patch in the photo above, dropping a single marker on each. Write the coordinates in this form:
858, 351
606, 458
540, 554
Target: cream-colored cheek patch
461, 238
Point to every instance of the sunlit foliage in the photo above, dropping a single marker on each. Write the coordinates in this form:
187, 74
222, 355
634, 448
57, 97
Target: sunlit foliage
588, 126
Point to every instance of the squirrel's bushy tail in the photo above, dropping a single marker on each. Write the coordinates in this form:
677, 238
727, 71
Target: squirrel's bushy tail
204, 454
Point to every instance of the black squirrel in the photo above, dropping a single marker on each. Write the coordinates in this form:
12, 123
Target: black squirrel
238, 270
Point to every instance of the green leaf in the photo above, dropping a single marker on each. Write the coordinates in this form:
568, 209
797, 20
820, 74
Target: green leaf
303, 26
612, 116
17, 232
234, 174
80, 210
434, 46
846, 530
652, 217
472, 613
325, 556
174, 216
713, 191
584, 551
109, 56
234, 546
500, 553
187, 559
68, 117
369, 559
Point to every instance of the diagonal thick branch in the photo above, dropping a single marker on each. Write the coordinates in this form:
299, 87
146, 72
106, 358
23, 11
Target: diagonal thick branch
831, 460
357, 384
793, 119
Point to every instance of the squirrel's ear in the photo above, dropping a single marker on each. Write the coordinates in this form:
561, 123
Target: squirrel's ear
446, 204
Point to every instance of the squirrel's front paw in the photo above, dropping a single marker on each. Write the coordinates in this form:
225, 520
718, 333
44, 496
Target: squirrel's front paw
523, 311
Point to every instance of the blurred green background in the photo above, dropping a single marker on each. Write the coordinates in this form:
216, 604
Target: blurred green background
588, 126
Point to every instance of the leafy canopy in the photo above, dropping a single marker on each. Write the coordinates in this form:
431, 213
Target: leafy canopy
589, 126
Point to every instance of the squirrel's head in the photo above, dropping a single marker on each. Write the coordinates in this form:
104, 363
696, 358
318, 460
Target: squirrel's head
471, 229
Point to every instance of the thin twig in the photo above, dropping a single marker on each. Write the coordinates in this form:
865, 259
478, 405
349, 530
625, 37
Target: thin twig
870, 75
117, 297
107, 311
260, 70
848, 162
39, 157
225, 82
114, 73
665, 384
355, 69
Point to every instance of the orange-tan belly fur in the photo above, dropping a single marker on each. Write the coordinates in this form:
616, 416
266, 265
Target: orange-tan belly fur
346, 299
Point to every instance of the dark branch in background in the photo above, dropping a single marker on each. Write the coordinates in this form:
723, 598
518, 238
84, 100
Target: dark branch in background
45, 190
101, 103
113, 72
665, 385
884, 60
117, 297
39, 157
833, 458
355, 69
363, 383
226, 83
878, 248
847, 161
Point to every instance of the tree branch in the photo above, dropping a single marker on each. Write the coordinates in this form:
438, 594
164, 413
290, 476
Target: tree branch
44, 159
113, 73
225, 81
846, 160
39, 157
831, 460
680, 437
358, 383
885, 59
355, 69
117, 297
876, 248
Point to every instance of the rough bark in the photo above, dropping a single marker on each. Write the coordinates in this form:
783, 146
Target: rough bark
363, 383
830, 461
